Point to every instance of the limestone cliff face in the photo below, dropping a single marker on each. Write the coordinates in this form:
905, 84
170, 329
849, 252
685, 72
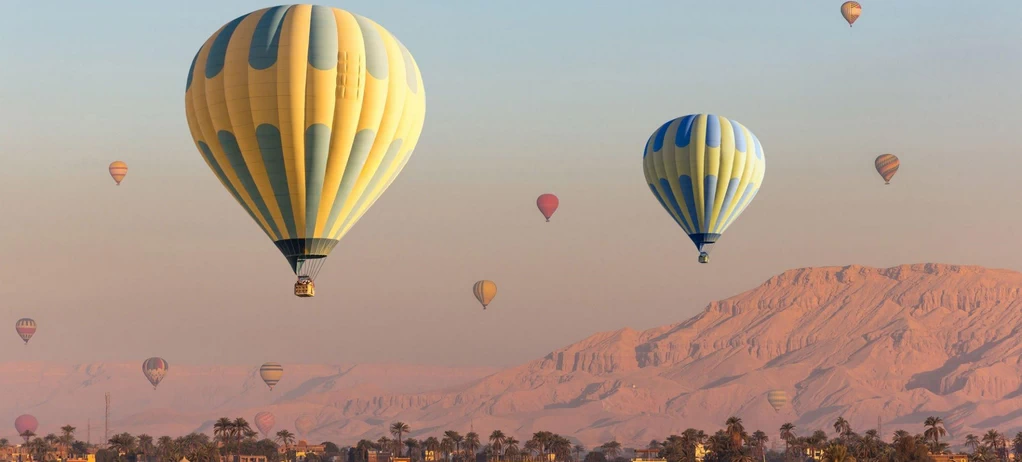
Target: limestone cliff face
897, 343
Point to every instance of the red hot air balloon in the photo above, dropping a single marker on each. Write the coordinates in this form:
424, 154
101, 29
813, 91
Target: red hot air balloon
26, 423
264, 422
547, 204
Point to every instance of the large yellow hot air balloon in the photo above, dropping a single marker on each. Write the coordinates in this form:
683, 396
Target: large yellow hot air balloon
777, 399
704, 170
306, 114
484, 291
887, 165
851, 11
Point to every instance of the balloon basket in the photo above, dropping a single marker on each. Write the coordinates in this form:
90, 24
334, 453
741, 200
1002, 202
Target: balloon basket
305, 288
704, 257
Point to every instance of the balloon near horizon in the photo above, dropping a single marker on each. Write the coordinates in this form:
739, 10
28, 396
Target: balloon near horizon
334, 106
25, 327
155, 370
271, 373
484, 291
704, 170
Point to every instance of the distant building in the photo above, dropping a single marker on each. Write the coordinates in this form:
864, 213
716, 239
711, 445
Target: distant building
379, 456
244, 458
432, 456
700, 452
815, 454
648, 455
950, 457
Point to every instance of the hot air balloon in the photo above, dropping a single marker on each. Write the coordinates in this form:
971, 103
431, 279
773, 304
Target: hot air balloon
777, 399
851, 11
26, 423
25, 328
304, 424
484, 291
155, 369
305, 114
704, 170
547, 204
265, 421
271, 373
117, 170
887, 165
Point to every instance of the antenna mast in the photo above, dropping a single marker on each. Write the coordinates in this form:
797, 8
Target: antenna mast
106, 421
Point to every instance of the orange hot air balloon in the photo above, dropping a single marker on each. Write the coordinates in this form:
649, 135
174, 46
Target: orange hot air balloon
887, 165
547, 204
851, 11
117, 170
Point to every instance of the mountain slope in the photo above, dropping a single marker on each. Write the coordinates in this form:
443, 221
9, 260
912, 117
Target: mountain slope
898, 343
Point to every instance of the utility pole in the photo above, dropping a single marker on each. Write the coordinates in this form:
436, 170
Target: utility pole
88, 432
106, 421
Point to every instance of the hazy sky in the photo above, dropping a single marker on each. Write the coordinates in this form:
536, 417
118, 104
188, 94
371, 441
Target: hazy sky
522, 98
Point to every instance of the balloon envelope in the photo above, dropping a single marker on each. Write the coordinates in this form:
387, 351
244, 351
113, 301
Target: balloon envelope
305, 114
117, 170
484, 291
777, 399
155, 369
887, 165
547, 204
304, 424
271, 373
851, 11
26, 423
704, 170
264, 422
26, 328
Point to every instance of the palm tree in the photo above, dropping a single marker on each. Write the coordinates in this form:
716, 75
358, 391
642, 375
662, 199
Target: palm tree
456, 440
972, 441
842, 427
759, 440
787, 434
472, 445
611, 449
145, 446
287, 439
511, 446
734, 431
432, 444
935, 430
398, 429
560, 447
578, 452
362, 448
837, 453
222, 430
27, 434
240, 428
412, 444
39, 448
447, 446
497, 439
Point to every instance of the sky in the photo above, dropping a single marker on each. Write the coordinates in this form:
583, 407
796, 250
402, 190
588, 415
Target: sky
522, 98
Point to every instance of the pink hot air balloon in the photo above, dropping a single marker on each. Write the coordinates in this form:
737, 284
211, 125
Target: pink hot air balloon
547, 204
26, 423
304, 424
264, 422
25, 328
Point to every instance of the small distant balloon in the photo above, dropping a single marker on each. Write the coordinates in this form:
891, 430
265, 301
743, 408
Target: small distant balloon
25, 328
547, 204
304, 424
777, 399
26, 423
117, 170
264, 422
851, 11
484, 291
155, 369
887, 165
271, 373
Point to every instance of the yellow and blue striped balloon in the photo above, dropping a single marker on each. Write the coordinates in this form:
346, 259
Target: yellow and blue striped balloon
705, 170
305, 114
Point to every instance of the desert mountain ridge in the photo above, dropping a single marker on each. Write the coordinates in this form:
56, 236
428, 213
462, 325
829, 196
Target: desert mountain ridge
895, 344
